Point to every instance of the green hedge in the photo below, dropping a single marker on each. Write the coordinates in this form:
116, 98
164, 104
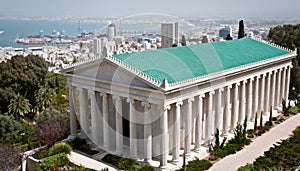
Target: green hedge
119, 162
60, 148
198, 165
81, 145
52, 162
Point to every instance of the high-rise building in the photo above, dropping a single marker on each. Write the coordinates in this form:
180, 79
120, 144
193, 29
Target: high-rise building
97, 46
111, 32
169, 34
223, 32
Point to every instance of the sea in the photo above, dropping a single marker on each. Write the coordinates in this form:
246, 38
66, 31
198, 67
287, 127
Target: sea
23, 28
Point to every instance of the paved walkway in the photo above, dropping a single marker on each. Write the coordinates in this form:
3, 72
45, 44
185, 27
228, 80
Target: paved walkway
258, 146
87, 162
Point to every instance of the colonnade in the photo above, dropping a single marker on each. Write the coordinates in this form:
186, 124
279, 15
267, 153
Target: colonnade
186, 123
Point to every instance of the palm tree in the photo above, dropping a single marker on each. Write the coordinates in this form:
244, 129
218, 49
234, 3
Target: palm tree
19, 106
44, 97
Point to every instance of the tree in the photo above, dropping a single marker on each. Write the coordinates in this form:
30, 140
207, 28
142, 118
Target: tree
10, 157
228, 37
52, 126
9, 128
21, 75
241, 32
44, 97
183, 41
288, 36
19, 106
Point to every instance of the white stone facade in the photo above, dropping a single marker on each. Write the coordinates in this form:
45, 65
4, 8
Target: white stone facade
134, 116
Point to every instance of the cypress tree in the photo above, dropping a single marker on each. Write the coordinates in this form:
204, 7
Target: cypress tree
183, 41
255, 121
261, 120
270, 117
241, 32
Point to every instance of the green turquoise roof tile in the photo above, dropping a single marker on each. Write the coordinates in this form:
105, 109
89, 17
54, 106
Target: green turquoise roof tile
185, 62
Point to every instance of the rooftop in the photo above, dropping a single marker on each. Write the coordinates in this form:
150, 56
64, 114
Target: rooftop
182, 63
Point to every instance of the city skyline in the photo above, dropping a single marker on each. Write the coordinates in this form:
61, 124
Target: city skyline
118, 8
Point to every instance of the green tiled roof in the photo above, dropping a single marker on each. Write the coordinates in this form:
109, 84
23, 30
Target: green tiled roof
182, 63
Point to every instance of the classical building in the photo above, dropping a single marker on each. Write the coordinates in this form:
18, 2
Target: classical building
149, 105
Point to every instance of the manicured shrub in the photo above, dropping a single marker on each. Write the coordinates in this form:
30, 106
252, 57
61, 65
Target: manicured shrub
52, 162
143, 167
60, 148
125, 163
293, 110
198, 165
247, 167
82, 145
111, 159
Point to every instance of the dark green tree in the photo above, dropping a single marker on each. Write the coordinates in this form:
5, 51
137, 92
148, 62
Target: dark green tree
21, 75
289, 36
183, 41
229, 37
255, 121
9, 128
261, 120
241, 32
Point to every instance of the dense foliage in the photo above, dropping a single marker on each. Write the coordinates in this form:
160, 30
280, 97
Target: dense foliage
60, 148
10, 157
198, 165
289, 36
241, 32
9, 128
82, 145
23, 76
285, 156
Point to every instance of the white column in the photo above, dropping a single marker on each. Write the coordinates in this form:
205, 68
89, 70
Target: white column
164, 149
287, 86
218, 110
188, 127
273, 85
147, 133
208, 124
235, 100
73, 123
177, 133
199, 124
226, 110
249, 99
278, 99
267, 96
242, 102
262, 95
119, 124
106, 127
132, 129
95, 127
283, 82
84, 116
255, 98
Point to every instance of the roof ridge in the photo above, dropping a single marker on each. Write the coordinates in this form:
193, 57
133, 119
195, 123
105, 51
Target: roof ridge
133, 70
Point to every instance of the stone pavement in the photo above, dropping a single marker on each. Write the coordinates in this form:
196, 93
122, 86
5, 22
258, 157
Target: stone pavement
87, 162
258, 146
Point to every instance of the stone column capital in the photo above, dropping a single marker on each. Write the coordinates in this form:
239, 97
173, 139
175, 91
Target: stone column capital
116, 97
201, 96
180, 103
237, 84
251, 80
130, 100
244, 82
103, 94
212, 92
163, 107
146, 104
191, 99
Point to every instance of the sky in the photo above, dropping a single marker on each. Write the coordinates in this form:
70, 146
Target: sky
179, 8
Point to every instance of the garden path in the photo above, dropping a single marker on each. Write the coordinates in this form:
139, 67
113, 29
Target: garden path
258, 146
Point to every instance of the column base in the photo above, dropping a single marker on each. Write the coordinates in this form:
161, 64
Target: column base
147, 161
71, 137
162, 167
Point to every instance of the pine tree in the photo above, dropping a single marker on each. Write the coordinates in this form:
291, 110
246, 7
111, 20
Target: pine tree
241, 32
